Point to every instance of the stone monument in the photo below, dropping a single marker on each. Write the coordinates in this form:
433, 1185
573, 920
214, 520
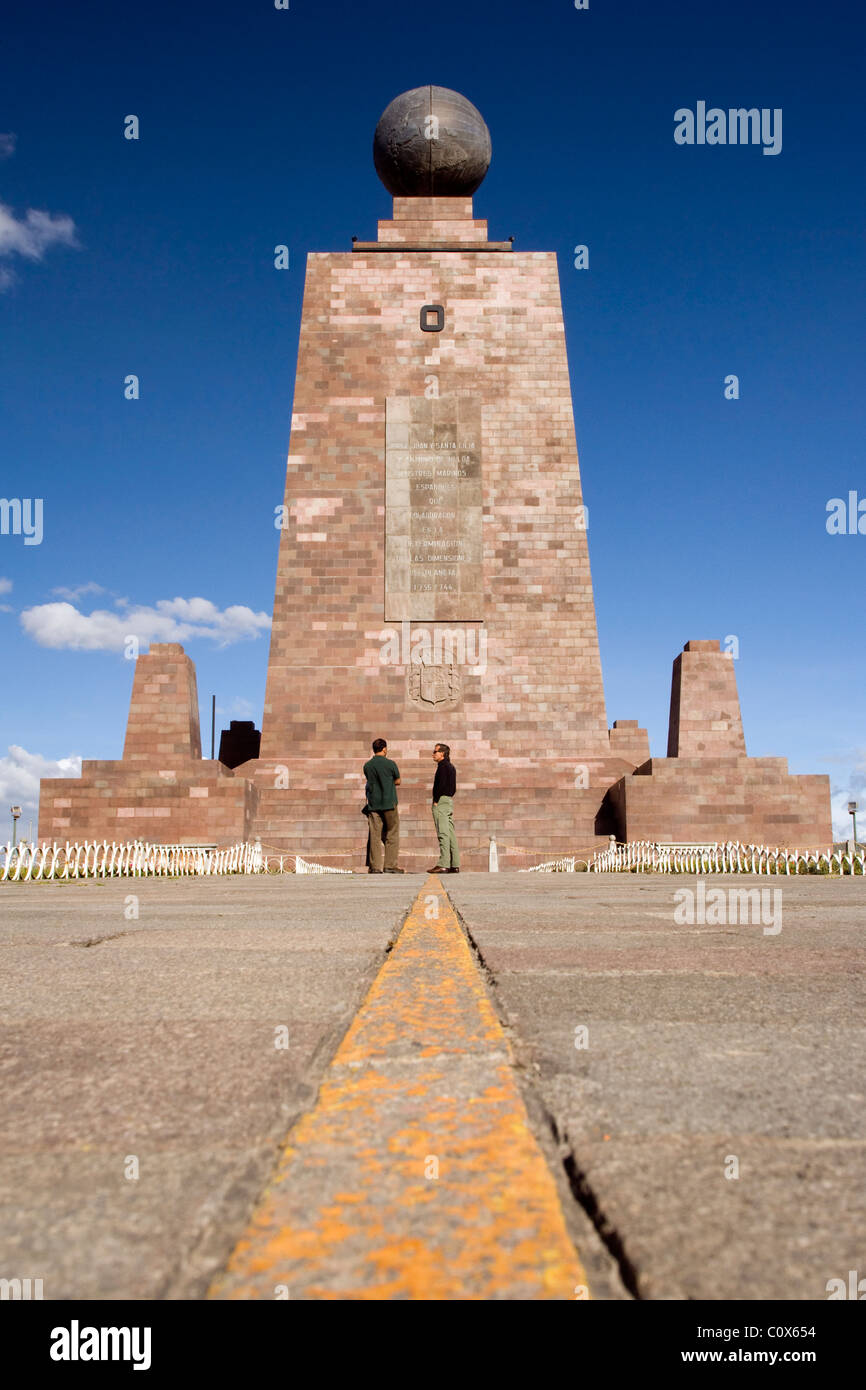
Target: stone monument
433, 579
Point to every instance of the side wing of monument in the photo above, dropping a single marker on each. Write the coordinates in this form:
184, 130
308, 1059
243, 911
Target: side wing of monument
162, 790
707, 789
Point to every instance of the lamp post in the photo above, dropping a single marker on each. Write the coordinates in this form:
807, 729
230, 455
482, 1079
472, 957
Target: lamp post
852, 811
16, 812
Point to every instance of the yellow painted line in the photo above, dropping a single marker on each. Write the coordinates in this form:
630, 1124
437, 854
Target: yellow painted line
416, 1174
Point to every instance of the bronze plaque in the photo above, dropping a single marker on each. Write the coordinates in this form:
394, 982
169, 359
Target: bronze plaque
433, 509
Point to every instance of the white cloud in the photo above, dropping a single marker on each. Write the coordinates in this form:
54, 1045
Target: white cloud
855, 791
62, 625
5, 586
7, 144
238, 708
20, 772
78, 592
31, 236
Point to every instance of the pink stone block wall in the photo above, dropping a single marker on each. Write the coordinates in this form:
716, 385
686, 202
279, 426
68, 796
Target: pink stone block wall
534, 712
705, 718
707, 789
163, 719
162, 791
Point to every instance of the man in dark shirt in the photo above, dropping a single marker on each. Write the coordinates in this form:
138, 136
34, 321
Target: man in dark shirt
444, 788
383, 779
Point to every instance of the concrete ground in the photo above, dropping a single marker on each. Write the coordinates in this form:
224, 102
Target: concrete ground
705, 1044
146, 1043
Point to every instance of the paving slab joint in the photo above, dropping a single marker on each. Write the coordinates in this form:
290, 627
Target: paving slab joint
346, 1213
583, 1193
574, 1178
231, 1207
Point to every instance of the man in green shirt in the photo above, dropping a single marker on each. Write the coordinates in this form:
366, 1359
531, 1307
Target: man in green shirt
383, 779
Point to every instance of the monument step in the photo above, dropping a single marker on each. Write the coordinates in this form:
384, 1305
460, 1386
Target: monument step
273, 800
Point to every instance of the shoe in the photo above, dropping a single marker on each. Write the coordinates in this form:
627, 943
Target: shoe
395, 871
452, 871
437, 869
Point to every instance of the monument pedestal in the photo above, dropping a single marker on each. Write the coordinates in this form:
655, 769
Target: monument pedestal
530, 808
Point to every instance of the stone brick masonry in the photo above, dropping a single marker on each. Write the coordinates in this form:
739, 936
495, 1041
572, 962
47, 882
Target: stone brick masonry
707, 789
527, 723
705, 708
162, 790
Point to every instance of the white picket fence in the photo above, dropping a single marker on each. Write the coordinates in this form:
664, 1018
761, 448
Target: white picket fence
568, 865
729, 858
108, 859
303, 867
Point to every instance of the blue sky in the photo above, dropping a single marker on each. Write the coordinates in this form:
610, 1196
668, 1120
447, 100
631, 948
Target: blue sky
155, 257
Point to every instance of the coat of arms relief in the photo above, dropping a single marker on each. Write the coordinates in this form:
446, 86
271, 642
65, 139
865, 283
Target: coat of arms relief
431, 686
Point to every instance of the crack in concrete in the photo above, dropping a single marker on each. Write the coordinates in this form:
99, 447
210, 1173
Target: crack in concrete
98, 940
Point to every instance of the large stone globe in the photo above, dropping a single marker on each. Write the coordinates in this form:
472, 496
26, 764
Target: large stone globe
431, 142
